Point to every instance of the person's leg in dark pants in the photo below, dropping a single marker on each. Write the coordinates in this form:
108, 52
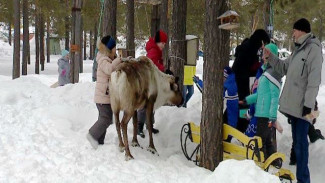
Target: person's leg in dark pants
188, 91
105, 118
242, 124
300, 142
141, 121
293, 160
265, 133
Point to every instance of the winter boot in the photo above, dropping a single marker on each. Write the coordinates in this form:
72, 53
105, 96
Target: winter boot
313, 134
102, 139
93, 142
155, 130
319, 133
140, 130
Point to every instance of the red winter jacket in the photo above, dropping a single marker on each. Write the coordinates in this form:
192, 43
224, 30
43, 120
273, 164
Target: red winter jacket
155, 54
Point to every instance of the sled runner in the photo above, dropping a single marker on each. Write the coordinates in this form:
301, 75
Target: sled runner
250, 148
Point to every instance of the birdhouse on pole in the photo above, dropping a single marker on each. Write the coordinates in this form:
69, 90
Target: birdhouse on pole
229, 20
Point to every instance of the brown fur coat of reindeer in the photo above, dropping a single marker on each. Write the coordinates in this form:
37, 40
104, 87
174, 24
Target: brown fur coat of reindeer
136, 84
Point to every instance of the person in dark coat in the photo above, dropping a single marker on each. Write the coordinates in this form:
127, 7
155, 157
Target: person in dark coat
246, 62
154, 49
246, 65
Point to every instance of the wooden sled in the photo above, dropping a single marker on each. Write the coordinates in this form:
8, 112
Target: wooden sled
56, 84
250, 148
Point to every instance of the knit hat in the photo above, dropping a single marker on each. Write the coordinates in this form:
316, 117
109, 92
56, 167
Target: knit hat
273, 48
64, 53
302, 25
109, 42
227, 71
161, 36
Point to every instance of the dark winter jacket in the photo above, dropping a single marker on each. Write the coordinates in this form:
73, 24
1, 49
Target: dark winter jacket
155, 54
247, 62
231, 96
64, 71
303, 76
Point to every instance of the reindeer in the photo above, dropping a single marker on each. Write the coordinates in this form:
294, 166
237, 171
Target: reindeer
136, 84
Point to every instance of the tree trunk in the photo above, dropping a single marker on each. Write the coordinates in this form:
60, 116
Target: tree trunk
164, 27
9, 30
155, 20
109, 18
216, 51
16, 56
42, 46
67, 28
48, 51
76, 41
178, 46
81, 47
130, 47
37, 40
320, 26
85, 45
95, 40
91, 45
266, 14
25, 37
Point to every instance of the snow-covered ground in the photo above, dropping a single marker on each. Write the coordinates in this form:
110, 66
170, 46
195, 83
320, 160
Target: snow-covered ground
43, 136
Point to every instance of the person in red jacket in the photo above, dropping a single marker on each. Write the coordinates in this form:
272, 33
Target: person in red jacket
154, 48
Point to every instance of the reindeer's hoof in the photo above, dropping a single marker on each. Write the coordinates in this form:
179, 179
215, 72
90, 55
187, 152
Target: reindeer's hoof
128, 157
135, 144
152, 150
121, 148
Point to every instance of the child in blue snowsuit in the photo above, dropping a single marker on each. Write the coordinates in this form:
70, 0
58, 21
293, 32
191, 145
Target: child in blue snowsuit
230, 115
230, 95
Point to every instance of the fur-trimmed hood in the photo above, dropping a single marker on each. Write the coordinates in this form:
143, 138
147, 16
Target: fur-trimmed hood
102, 48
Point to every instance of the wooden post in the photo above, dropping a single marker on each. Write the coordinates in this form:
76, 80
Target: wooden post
75, 48
130, 46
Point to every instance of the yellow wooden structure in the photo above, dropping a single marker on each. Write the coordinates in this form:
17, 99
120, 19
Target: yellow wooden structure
250, 149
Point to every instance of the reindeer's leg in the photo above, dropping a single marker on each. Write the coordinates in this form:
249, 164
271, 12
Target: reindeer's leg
118, 129
124, 124
135, 142
149, 115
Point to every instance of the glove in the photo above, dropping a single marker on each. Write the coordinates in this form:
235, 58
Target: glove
196, 79
306, 111
271, 122
63, 72
167, 71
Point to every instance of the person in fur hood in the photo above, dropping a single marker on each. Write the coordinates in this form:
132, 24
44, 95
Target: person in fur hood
107, 62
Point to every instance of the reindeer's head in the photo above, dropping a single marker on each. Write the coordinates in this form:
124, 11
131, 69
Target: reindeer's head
176, 97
